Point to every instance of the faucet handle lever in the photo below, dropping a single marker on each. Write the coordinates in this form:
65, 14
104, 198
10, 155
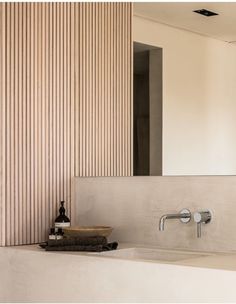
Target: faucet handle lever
199, 230
202, 217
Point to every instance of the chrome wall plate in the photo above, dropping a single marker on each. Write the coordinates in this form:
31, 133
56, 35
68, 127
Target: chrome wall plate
186, 219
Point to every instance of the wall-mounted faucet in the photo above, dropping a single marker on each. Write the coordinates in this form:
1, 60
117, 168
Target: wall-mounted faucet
201, 217
184, 216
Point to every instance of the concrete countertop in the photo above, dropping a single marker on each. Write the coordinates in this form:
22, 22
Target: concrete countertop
30, 274
213, 260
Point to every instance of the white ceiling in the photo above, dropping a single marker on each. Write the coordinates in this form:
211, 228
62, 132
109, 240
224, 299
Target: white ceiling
181, 15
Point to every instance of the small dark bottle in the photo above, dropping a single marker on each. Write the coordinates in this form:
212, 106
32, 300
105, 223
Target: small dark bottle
56, 234
62, 220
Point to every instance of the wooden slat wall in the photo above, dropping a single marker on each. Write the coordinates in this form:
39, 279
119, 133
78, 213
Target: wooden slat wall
66, 110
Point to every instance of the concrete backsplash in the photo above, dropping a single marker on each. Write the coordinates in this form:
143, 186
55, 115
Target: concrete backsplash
133, 206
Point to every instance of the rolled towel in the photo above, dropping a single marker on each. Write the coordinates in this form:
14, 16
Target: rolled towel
110, 246
88, 248
82, 241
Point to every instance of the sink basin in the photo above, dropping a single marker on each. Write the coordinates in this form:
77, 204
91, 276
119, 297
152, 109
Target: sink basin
152, 254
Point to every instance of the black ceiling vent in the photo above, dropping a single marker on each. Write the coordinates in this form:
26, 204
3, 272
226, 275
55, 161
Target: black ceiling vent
205, 12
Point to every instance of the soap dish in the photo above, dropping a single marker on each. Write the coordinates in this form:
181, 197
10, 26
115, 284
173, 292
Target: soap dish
87, 231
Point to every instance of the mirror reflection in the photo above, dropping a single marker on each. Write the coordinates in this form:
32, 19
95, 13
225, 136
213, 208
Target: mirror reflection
147, 82
184, 109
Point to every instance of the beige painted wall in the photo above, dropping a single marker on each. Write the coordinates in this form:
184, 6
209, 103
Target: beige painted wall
199, 94
66, 107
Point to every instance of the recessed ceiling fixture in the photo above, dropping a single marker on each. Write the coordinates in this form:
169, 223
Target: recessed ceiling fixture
205, 12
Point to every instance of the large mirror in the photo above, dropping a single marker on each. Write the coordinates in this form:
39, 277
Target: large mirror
184, 128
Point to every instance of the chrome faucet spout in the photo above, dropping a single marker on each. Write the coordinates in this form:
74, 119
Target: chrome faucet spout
184, 216
162, 222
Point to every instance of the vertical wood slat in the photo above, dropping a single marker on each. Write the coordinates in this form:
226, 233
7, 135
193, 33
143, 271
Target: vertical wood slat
43, 135
72, 99
2, 124
11, 125
16, 121
24, 158
20, 121
28, 125
66, 107
130, 86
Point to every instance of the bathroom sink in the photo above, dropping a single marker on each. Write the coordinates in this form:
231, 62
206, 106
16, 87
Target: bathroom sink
152, 254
